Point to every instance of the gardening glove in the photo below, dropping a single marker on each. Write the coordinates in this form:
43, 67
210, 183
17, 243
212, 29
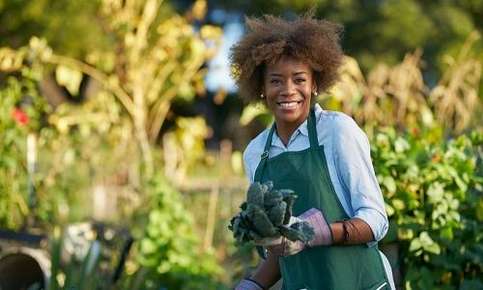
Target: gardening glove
248, 284
353, 231
323, 234
286, 247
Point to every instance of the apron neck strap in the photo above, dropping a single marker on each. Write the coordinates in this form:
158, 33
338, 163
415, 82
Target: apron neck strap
264, 156
268, 143
312, 128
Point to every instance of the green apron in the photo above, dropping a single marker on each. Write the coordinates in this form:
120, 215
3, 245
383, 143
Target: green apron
357, 267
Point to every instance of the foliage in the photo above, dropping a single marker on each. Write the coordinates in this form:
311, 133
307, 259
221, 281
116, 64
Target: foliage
398, 95
184, 147
65, 162
375, 31
266, 215
86, 256
169, 252
158, 58
79, 274
21, 113
60, 22
433, 193
89, 144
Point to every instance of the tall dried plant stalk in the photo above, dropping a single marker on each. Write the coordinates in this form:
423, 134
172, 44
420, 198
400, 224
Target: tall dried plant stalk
397, 96
455, 98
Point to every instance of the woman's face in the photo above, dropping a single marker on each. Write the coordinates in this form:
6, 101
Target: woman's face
288, 87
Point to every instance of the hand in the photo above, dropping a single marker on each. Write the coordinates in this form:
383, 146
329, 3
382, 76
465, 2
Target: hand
286, 248
323, 235
248, 284
283, 246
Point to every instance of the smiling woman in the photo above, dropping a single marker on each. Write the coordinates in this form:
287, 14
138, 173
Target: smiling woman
323, 156
288, 86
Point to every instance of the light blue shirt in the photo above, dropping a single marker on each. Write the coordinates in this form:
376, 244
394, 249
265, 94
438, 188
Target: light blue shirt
348, 156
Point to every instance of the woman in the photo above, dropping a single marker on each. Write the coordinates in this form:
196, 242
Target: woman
323, 156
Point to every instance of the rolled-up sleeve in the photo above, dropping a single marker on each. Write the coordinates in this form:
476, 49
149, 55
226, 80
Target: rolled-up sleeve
357, 177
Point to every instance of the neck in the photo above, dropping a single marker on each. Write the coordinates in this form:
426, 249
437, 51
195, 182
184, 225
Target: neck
285, 130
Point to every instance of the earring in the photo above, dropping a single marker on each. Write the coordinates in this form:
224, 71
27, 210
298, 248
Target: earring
314, 93
262, 96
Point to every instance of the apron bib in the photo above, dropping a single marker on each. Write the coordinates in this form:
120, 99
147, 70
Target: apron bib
355, 267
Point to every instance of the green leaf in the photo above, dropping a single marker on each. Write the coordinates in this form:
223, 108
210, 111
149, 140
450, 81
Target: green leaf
255, 194
389, 183
401, 145
398, 204
69, 78
415, 245
447, 233
435, 192
428, 244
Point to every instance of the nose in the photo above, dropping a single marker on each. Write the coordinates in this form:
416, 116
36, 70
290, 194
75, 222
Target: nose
288, 88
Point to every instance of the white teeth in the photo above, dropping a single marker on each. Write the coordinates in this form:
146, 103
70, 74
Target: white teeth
288, 105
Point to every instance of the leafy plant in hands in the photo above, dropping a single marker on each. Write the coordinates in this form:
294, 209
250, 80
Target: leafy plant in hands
266, 215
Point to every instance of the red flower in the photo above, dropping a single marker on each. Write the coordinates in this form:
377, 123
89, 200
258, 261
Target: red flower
20, 116
415, 131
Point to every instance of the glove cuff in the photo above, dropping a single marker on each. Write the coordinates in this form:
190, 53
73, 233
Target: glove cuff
323, 234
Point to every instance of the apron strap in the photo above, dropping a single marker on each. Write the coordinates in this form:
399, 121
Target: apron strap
312, 128
259, 174
264, 156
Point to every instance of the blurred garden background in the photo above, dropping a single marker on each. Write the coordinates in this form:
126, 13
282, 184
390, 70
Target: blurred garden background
121, 138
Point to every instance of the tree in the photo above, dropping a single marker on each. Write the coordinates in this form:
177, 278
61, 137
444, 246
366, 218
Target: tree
157, 57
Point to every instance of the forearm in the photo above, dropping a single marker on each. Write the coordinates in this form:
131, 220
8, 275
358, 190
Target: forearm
351, 232
268, 272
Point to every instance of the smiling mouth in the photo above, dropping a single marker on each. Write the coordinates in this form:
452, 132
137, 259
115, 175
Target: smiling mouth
289, 104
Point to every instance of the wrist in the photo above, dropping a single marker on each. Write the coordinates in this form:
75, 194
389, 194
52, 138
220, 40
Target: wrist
339, 233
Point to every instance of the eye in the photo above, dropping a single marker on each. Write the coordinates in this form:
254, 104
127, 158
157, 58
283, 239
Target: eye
300, 80
274, 81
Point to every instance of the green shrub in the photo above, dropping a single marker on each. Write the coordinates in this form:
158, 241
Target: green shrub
169, 251
21, 111
433, 192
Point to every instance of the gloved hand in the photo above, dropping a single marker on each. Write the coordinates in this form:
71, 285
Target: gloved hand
322, 236
247, 284
286, 247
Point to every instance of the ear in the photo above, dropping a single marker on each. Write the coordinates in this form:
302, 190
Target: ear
314, 83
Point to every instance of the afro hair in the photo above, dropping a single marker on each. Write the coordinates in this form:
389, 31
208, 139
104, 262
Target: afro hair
316, 42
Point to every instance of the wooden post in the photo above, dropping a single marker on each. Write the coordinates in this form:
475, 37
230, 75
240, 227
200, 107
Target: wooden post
211, 218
